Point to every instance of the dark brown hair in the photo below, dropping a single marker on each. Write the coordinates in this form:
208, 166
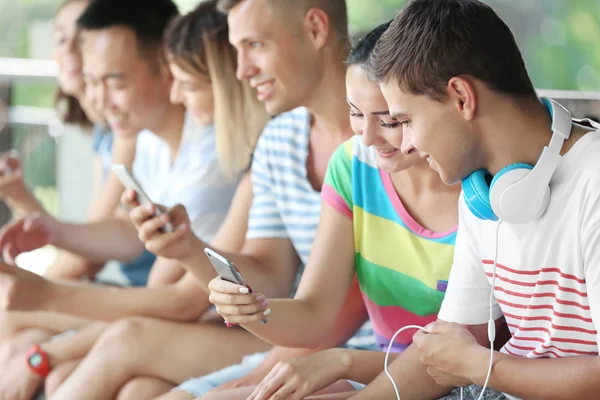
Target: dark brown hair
432, 41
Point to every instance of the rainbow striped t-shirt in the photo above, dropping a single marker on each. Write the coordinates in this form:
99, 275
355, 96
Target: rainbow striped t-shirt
402, 267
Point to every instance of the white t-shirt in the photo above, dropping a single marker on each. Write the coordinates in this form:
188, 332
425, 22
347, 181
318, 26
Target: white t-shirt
195, 179
548, 273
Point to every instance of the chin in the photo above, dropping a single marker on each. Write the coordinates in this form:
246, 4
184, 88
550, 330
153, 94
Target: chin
275, 107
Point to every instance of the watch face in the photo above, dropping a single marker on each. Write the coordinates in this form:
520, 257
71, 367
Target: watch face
35, 360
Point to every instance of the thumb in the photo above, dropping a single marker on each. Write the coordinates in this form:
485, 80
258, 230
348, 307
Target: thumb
178, 213
8, 266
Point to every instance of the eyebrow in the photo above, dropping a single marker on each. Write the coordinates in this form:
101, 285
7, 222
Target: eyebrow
112, 75
399, 115
385, 112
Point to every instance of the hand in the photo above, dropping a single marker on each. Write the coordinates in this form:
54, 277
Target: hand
452, 355
11, 177
27, 234
253, 378
16, 381
20, 289
297, 378
174, 245
235, 304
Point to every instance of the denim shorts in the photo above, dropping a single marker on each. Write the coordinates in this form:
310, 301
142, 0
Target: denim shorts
200, 386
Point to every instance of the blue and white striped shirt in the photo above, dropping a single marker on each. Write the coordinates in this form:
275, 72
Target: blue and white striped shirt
285, 205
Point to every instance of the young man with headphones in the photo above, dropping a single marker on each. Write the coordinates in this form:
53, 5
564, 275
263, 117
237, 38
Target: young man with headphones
528, 246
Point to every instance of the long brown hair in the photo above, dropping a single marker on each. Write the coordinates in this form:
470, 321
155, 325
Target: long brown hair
68, 108
198, 43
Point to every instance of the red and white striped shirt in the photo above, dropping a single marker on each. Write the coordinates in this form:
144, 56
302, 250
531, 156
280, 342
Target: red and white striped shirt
548, 271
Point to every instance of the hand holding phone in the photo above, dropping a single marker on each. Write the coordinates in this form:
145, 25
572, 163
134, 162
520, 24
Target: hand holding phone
129, 181
228, 272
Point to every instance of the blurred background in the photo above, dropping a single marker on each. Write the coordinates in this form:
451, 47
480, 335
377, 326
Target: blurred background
559, 40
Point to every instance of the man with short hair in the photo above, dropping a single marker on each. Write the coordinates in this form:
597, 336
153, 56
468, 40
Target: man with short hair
528, 246
292, 53
176, 162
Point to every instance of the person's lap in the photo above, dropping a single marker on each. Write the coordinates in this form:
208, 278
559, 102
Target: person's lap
172, 352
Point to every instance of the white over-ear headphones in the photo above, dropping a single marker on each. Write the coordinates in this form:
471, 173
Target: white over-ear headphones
519, 193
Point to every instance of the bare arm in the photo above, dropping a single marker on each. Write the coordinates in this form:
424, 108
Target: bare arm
110, 239
305, 320
181, 301
13, 189
547, 379
15, 321
409, 373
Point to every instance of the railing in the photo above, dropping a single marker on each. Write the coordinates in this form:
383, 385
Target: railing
26, 129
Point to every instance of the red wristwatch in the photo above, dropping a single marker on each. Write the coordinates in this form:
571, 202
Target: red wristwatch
37, 361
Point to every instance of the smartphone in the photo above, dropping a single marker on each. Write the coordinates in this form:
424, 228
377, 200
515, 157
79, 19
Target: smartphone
129, 181
227, 270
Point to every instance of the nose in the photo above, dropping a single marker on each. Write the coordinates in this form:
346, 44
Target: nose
407, 147
245, 68
369, 134
175, 95
101, 98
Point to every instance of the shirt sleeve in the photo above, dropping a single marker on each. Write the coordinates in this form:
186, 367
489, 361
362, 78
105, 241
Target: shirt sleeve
467, 298
337, 188
264, 220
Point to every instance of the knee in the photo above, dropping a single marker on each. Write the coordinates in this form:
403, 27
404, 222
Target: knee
123, 334
131, 390
58, 376
143, 388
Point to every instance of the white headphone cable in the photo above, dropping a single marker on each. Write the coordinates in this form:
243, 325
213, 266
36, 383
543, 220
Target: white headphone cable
491, 331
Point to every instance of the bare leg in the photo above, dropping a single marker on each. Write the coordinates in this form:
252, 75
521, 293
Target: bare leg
169, 351
335, 396
16, 381
143, 389
59, 375
74, 346
176, 395
340, 389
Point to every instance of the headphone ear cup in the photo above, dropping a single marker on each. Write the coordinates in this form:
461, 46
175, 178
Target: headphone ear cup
504, 207
476, 194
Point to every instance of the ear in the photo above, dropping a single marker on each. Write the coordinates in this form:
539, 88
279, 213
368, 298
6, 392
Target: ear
316, 24
461, 93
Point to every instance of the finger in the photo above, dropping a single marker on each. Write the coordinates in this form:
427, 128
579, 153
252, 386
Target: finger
178, 213
242, 319
9, 232
32, 222
438, 327
11, 252
219, 285
230, 299
267, 388
163, 241
129, 198
6, 256
152, 227
140, 214
243, 310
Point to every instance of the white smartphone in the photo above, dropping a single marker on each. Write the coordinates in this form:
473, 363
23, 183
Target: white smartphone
227, 270
129, 181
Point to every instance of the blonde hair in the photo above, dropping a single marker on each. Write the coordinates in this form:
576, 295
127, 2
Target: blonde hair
198, 43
